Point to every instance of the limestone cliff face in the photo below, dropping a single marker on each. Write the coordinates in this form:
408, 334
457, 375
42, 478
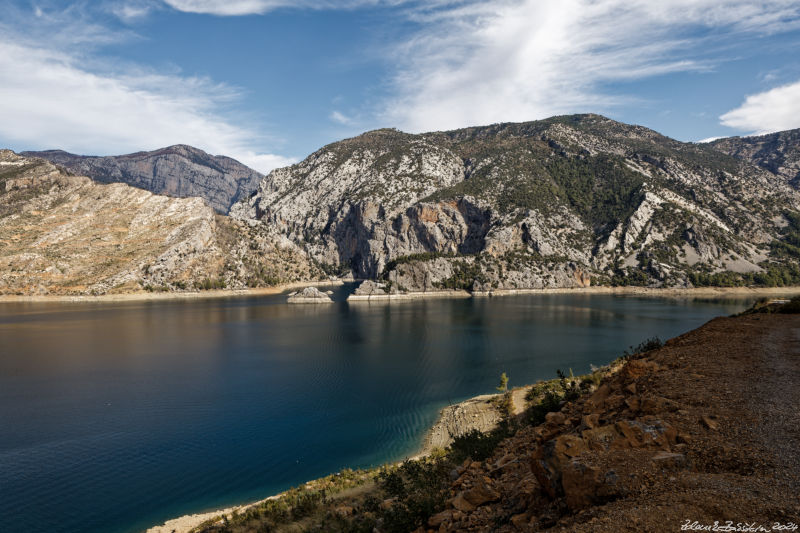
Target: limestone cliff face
65, 234
179, 171
777, 152
552, 203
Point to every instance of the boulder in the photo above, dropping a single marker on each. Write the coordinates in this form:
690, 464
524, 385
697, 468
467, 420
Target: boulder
370, 288
309, 295
461, 503
560, 468
586, 485
480, 494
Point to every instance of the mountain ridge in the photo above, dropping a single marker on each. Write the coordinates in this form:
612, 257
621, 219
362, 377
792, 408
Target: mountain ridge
566, 196
180, 170
777, 152
62, 234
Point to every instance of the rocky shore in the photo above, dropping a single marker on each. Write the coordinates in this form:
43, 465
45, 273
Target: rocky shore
699, 430
373, 295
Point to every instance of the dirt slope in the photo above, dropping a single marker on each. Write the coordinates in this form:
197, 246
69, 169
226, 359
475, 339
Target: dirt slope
705, 429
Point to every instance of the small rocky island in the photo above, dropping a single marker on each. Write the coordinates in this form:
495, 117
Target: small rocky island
309, 295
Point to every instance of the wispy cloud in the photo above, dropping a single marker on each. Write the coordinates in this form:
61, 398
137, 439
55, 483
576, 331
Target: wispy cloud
59, 95
258, 7
774, 110
341, 118
510, 60
130, 11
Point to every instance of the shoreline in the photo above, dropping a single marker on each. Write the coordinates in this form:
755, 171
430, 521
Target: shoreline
188, 295
409, 296
622, 291
185, 523
436, 436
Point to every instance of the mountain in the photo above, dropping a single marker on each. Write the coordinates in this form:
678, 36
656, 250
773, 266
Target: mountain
563, 202
180, 171
777, 152
67, 234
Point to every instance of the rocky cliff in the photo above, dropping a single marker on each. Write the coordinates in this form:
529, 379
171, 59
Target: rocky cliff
66, 234
180, 171
563, 202
777, 152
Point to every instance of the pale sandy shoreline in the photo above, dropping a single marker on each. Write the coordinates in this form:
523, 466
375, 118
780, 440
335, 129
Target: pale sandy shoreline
721, 292
186, 523
700, 292
183, 295
668, 292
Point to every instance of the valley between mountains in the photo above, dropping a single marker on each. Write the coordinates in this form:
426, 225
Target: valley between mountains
566, 202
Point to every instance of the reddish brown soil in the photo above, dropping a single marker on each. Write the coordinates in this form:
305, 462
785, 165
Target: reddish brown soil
705, 429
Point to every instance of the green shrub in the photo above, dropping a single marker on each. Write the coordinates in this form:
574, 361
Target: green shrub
464, 276
477, 445
569, 387
422, 257
209, 284
550, 402
420, 488
652, 343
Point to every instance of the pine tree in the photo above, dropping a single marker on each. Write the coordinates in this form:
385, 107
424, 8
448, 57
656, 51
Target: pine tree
503, 383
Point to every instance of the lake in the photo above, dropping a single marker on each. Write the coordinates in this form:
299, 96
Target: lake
117, 416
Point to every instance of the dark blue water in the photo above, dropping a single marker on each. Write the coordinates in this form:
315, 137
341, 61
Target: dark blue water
115, 417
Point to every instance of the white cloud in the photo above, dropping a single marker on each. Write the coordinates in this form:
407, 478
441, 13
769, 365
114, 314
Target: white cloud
49, 100
480, 62
341, 118
257, 7
774, 110
261, 162
132, 10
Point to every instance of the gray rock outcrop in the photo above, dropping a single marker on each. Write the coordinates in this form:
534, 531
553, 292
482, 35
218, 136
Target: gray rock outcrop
478, 413
371, 288
309, 295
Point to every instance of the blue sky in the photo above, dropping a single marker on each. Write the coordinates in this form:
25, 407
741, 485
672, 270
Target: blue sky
269, 81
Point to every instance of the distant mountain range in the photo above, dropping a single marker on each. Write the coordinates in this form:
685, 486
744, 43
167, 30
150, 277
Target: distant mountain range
777, 152
179, 171
563, 202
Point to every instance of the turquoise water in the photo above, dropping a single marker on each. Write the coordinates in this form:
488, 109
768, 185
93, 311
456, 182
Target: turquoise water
115, 417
